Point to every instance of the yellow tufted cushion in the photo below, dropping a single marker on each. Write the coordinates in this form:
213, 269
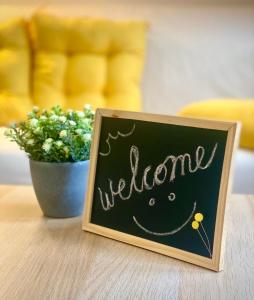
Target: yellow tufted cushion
236, 110
49, 78
92, 66
83, 60
15, 99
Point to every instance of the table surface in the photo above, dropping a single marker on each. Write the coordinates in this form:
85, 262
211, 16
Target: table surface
42, 258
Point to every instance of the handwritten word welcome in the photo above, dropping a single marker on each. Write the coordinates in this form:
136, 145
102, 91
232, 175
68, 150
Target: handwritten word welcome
164, 171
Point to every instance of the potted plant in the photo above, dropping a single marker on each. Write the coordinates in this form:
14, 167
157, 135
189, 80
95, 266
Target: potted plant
58, 146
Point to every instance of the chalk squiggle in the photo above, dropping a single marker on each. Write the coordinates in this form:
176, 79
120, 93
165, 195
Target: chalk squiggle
169, 232
110, 136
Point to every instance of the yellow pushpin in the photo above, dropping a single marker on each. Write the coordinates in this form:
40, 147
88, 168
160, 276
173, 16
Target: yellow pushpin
199, 217
195, 225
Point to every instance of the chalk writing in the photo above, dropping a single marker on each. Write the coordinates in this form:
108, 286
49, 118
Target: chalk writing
165, 170
151, 201
115, 137
171, 197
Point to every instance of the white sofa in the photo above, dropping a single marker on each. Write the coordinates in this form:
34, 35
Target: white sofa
14, 167
14, 164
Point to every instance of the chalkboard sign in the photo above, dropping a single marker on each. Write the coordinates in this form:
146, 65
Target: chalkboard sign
160, 182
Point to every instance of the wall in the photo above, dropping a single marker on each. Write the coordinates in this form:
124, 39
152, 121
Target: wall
194, 51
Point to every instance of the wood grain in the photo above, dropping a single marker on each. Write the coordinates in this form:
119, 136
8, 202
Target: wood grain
42, 258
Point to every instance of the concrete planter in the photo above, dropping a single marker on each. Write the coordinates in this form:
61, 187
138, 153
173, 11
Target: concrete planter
60, 187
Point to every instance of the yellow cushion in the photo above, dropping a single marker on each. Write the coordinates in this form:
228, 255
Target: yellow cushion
123, 81
129, 37
125, 100
13, 108
76, 101
86, 72
101, 62
14, 71
49, 78
235, 110
90, 36
49, 33
13, 34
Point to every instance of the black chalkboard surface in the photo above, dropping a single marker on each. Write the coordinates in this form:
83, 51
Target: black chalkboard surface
160, 183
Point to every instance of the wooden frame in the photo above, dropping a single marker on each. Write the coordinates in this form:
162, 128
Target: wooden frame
214, 263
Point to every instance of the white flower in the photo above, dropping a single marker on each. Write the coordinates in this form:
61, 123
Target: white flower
33, 122
30, 142
63, 133
54, 117
62, 119
66, 149
87, 137
79, 131
30, 114
35, 109
43, 118
59, 143
27, 135
86, 121
49, 141
93, 112
87, 106
72, 123
46, 147
70, 112
37, 130
80, 114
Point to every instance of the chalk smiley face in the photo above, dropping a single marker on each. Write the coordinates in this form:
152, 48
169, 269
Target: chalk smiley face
171, 197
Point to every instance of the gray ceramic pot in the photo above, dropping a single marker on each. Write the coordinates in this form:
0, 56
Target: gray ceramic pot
60, 187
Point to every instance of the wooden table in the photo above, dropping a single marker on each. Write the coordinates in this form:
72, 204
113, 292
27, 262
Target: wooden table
43, 258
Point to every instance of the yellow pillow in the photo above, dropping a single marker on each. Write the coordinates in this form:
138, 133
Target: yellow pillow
86, 72
124, 72
101, 62
76, 101
49, 79
226, 109
125, 100
14, 71
129, 37
49, 33
13, 108
90, 36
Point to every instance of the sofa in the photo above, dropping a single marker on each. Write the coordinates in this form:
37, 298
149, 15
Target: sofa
175, 64
14, 167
